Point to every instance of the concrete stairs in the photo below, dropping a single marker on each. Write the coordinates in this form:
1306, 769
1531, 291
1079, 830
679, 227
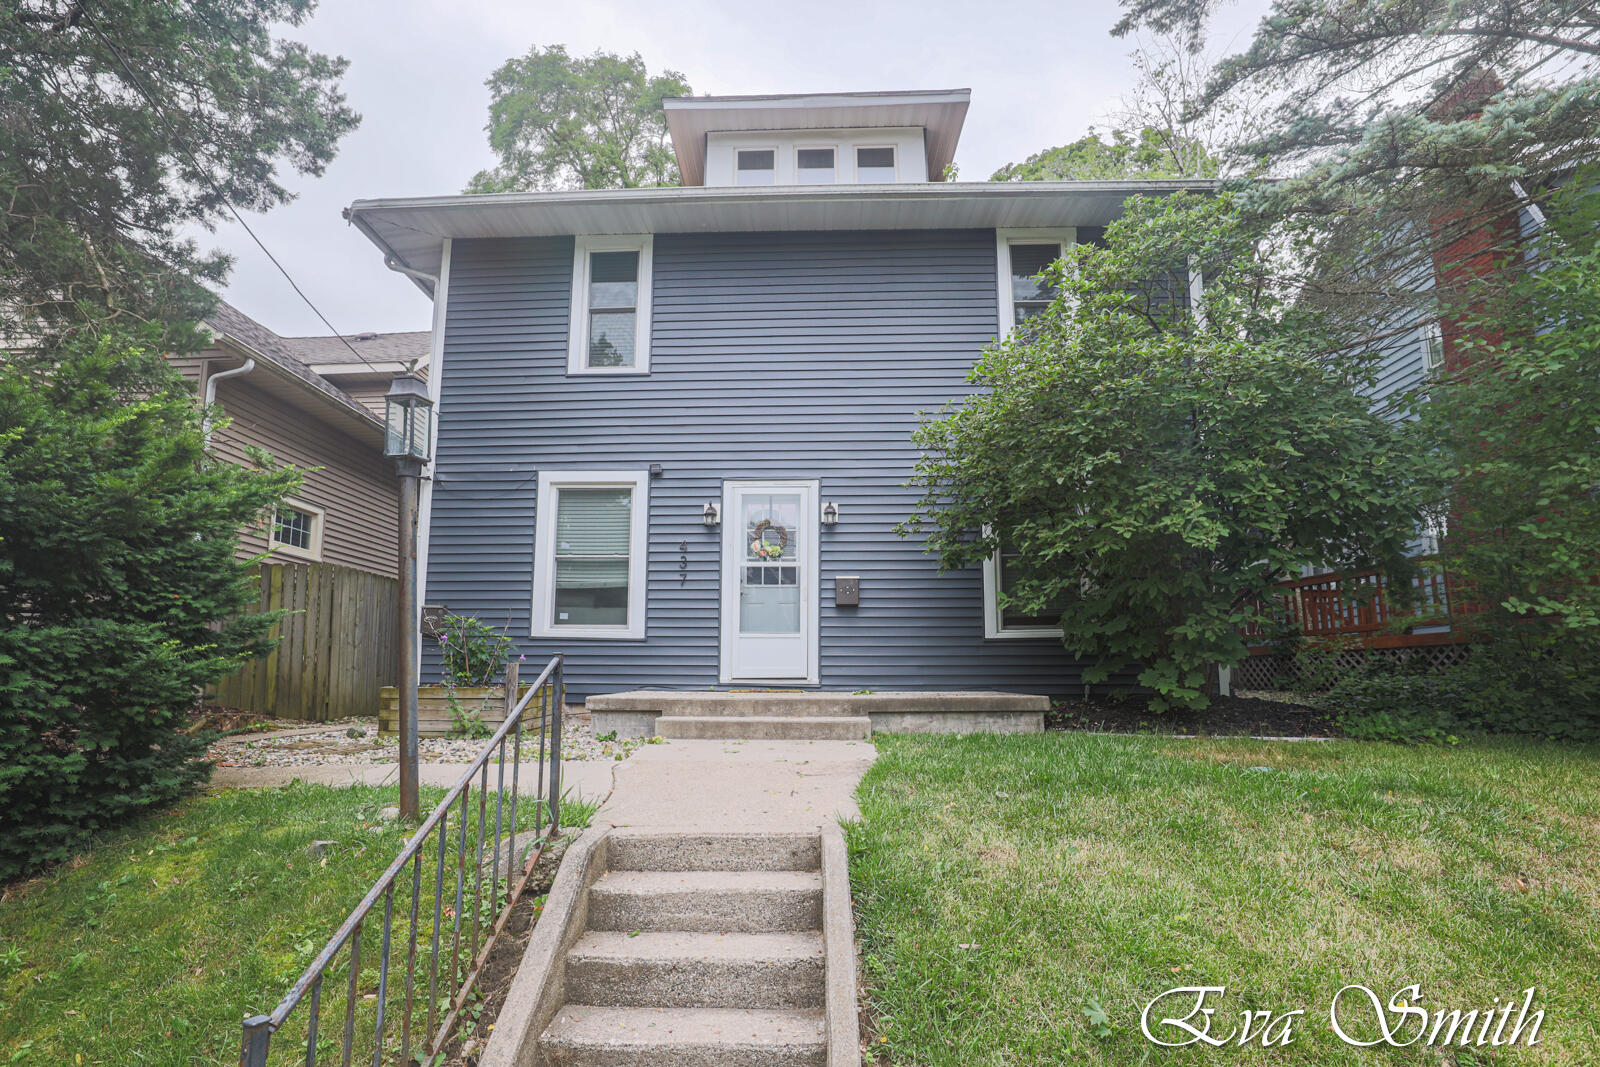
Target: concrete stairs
698, 949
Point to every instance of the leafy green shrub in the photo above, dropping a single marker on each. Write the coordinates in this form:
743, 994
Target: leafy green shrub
473, 654
120, 596
1386, 703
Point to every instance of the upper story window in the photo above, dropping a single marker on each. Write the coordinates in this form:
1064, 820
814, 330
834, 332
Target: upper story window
1432, 347
755, 166
875, 165
610, 332
296, 530
1022, 256
814, 166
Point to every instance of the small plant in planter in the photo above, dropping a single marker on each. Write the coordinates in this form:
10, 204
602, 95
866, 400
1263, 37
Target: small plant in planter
474, 655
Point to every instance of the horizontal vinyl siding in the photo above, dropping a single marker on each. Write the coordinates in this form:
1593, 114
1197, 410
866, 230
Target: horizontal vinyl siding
353, 484
773, 356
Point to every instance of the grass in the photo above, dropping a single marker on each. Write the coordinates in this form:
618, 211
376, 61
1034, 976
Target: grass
153, 948
1007, 886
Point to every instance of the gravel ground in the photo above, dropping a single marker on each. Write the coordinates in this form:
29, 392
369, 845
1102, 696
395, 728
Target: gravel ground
358, 742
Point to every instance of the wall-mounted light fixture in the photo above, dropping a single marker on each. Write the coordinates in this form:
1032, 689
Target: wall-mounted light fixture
712, 515
830, 513
655, 470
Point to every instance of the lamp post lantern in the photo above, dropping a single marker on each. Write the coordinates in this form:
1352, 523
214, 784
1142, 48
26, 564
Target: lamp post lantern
407, 439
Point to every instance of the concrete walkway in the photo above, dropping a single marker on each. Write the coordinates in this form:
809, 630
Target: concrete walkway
738, 785
708, 785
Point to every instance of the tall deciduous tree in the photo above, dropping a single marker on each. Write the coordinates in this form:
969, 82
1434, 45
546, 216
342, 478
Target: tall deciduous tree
1152, 473
123, 121
578, 122
1145, 153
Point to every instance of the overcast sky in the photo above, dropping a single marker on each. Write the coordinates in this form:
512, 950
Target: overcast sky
417, 72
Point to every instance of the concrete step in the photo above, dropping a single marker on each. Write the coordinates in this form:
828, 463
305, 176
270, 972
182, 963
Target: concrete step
586, 1035
675, 969
764, 727
762, 705
734, 901
657, 850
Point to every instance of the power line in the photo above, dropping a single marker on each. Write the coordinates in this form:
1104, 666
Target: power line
206, 176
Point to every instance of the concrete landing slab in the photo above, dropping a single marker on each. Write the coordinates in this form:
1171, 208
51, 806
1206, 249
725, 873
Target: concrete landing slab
739, 785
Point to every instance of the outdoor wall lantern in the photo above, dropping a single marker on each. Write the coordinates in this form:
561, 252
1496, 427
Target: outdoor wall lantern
712, 515
830, 513
407, 418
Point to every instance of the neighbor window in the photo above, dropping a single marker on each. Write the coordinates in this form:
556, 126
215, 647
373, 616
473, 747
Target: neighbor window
611, 305
1006, 621
1432, 347
1022, 255
874, 165
589, 554
813, 166
297, 530
755, 166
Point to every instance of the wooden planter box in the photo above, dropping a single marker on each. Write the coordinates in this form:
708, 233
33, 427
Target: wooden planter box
433, 708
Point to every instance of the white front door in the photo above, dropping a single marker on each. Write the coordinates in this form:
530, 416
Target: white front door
769, 582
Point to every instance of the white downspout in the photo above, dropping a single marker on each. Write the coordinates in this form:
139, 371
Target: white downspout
211, 394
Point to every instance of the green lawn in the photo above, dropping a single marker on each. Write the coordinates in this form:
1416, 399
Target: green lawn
152, 948
1003, 884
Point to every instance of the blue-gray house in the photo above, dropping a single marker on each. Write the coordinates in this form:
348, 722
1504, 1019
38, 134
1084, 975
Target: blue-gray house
674, 424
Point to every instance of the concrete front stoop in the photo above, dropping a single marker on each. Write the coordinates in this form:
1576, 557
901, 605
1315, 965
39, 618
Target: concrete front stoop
810, 716
688, 949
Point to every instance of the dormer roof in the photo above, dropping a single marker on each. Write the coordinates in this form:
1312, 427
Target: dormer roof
940, 113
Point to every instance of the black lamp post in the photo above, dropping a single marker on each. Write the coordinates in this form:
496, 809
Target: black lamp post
408, 436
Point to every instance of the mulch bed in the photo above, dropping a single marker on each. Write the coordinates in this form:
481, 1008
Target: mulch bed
1233, 716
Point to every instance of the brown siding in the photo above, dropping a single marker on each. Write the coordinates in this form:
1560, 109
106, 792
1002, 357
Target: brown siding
356, 486
369, 393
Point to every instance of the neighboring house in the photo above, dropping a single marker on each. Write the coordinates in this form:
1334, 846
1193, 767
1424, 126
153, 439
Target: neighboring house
674, 424
311, 402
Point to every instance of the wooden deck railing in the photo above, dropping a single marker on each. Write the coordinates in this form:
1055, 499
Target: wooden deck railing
1359, 609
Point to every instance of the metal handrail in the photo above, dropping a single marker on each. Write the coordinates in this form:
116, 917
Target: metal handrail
259, 1029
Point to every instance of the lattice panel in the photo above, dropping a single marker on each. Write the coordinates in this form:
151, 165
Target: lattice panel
1313, 671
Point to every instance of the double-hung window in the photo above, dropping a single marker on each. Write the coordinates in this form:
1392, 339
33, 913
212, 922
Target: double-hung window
814, 166
755, 166
589, 554
1432, 339
875, 166
610, 305
1022, 255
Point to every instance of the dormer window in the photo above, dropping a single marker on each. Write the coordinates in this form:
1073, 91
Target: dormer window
813, 166
875, 165
756, 166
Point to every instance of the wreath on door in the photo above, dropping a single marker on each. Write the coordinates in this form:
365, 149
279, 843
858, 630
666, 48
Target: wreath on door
765, 549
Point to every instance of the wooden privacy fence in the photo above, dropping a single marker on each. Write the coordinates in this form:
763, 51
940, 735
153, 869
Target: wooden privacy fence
338, 648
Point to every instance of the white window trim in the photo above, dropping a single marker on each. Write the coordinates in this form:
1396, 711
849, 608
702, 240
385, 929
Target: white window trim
1430, 332
800, 146
318, 518
855, 161
550, 484
578, 337
777, 155
1003, 240
993, 623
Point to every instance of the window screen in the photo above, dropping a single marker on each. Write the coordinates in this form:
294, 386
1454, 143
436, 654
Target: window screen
814, 166
875, 164
1029, 293
591, 557
613, 308
756, 166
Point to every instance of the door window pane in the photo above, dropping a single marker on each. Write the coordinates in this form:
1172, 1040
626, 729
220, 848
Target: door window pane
1030, 294
769, 587
613, 308
814, 166
755, 166
591, 557
874, 165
